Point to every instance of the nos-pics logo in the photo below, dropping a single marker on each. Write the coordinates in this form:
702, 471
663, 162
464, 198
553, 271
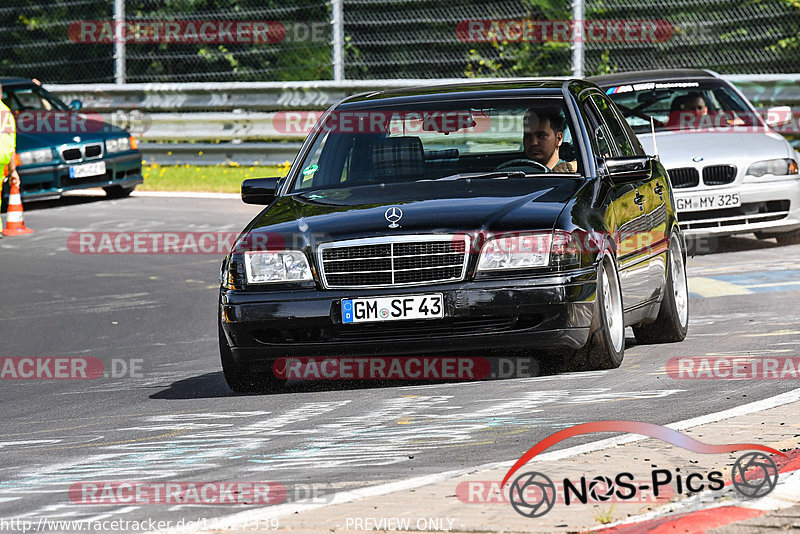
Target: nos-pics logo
533, 494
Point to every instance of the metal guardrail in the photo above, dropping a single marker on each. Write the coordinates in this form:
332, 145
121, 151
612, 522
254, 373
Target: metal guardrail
243, 122
252, 96
219, 153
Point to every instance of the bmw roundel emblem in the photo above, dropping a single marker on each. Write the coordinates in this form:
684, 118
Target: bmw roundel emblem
697, 159
393, 215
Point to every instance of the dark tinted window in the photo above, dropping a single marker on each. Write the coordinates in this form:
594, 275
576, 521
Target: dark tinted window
619, 136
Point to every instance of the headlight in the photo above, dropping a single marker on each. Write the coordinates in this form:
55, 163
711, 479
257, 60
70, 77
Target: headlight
118, 145
271, 267
526, 251
41, 155
775, 167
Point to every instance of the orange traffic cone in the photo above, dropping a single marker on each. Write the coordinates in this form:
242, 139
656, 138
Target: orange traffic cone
15, 224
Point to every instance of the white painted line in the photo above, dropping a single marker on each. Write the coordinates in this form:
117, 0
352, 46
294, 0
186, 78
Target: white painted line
185, 194
96, 192
282, 510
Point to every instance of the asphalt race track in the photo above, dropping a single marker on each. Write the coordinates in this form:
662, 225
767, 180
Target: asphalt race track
173, 418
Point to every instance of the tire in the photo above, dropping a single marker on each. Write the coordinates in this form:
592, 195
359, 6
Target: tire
788, 238
239, 379
117, 191
673, 315
606, 346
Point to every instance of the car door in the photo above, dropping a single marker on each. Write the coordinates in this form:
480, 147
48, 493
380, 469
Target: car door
632, 223
656, 193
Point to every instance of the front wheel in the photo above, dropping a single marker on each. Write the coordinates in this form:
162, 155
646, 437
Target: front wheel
673, 316
606, 346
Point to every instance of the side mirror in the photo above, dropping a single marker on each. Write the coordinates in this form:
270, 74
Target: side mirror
778, 115
629, 169
260, 190
75, 105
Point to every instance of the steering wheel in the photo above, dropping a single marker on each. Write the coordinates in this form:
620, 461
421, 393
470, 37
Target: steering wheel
527, 165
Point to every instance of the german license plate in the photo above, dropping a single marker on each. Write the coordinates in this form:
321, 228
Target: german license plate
362, 310
709, 202
96, 168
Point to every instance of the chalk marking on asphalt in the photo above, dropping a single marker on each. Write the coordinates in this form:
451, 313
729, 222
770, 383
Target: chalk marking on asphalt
4, 444
425, 480
709, 287
778, 333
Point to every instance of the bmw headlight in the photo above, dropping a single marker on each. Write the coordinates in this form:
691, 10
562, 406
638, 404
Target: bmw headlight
40, 155
120, 144
265, 267
775, 167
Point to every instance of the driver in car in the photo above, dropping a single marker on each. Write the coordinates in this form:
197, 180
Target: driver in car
543, 135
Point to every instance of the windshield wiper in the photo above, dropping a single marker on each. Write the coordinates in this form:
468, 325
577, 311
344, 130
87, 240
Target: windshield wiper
492, 174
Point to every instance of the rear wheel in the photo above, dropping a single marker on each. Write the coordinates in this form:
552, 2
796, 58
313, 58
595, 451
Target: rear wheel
239, 379
673, 316
788, 238
606, 346
117, 191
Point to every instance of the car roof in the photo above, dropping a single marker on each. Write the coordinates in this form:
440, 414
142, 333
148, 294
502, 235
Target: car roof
640, 76
474, 89
16, 81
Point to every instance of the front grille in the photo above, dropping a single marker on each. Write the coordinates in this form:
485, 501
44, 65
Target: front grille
719, 174
72, 154
394, 261
93, 151
75, 154
748, 213
684, 177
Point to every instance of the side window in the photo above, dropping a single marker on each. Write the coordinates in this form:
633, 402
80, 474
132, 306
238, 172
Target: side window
619, 136
598, 135
634, 141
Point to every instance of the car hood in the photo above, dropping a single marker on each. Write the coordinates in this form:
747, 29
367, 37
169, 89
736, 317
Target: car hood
441, 206
677, 149
93, 130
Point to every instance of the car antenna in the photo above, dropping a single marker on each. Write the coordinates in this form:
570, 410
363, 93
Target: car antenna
655, 145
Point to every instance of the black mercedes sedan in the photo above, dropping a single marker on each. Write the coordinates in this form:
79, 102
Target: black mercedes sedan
470, 219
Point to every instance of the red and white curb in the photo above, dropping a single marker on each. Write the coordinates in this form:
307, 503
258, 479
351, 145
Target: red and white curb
713, 510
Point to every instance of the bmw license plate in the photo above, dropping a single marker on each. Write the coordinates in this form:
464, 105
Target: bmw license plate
96, 168
708, 202
362, 310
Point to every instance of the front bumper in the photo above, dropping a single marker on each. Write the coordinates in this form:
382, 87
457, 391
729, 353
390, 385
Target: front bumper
547, 314
46, 182
769, 207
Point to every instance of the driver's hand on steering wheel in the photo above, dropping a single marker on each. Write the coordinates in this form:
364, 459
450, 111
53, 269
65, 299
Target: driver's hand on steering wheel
563, 167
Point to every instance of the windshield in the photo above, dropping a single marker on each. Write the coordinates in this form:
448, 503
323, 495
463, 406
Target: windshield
31, 98
359, 145
688, 105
